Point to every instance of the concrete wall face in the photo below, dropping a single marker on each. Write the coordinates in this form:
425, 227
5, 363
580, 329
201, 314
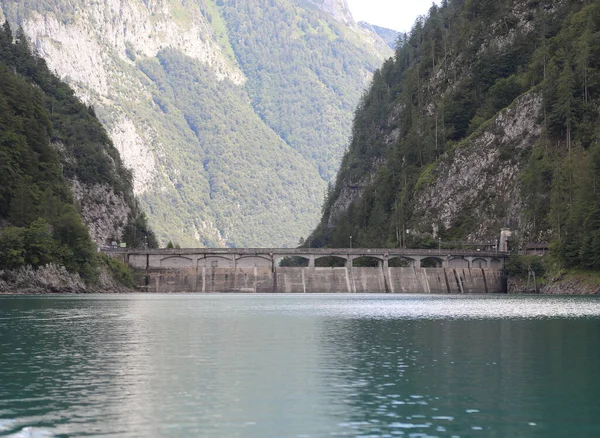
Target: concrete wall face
263, 279
215, 262
458, 263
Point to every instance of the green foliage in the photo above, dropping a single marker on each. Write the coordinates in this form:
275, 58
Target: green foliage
137, 233
305, 76
217, 170
522, 266
118, 270
12, 247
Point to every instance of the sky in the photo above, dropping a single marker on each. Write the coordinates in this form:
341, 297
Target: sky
399, 15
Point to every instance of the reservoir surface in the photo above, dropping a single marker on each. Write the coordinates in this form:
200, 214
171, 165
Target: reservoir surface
299, 366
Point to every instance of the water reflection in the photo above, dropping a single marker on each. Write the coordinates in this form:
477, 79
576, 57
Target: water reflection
193, 365
461, 377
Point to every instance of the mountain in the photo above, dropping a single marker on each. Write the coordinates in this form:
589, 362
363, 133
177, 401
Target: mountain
486, 118
390, 36
62, 183
231, 115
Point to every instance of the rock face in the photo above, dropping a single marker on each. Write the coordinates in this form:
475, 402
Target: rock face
185, 105
337, 8
480, 177
89, 50
388, 35
50, 279
104, 212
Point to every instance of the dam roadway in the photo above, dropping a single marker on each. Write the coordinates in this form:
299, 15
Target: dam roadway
259, 270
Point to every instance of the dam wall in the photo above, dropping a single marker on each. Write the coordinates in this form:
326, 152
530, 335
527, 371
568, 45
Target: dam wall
259, 279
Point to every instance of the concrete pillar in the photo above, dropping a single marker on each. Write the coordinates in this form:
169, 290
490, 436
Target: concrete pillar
469, 261
311, 261
274, 273
416, 263
379, 263
195, 271
386, 263
233, 264
445, 261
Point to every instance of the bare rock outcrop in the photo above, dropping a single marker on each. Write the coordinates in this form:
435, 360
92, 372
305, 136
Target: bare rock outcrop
479, 178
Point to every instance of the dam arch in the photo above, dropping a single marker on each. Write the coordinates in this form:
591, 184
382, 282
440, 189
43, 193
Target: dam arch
431, 262
176, 262
215, 262
401, 262
367, 261
331, 261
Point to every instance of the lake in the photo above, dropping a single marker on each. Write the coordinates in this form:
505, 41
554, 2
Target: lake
299, 366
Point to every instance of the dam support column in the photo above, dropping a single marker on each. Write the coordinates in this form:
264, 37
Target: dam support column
385, 271
273, 272
195, 274
469, 261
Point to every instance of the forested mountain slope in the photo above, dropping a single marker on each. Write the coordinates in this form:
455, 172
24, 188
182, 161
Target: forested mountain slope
231, 115
62, 183
487, 117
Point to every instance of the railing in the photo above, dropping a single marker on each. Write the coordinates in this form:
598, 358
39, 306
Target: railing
391, 252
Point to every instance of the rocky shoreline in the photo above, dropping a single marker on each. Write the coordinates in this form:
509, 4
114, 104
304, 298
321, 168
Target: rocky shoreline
53, 279
568, 285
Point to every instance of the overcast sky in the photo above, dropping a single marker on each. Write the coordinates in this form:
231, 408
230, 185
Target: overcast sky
393, 14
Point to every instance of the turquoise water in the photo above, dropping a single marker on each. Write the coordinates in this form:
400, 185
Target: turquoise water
299, 366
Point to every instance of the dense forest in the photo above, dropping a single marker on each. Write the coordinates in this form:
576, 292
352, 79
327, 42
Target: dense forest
453, 82
48, 138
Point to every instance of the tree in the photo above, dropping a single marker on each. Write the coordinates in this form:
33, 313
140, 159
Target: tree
78, 251
12, 247
40, 247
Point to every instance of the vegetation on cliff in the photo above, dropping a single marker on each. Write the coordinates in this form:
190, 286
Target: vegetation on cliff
48, 137
232, 115
443, 95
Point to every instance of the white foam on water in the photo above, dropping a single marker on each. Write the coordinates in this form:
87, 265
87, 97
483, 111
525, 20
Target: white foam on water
32, 432
7, 424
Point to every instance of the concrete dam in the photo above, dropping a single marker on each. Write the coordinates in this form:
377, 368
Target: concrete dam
260, 271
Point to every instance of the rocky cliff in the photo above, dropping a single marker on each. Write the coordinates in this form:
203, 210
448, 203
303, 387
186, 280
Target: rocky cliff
338, 9
229, 126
